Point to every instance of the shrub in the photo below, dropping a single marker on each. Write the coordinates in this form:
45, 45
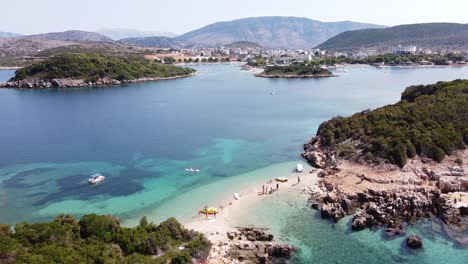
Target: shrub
430, 120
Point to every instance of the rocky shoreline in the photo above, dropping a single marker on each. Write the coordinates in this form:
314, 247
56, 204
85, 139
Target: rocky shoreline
78, 83
287, 76
250, 245
389, 197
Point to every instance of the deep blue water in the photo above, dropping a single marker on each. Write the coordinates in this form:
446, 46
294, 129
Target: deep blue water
142, 136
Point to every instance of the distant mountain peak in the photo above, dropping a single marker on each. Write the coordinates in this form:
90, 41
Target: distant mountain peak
8, 34
271, 31
71, 35
426, 35
122, 33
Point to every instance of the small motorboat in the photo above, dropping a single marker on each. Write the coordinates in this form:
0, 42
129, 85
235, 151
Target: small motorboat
299, 167
209, 210
192, 170
96, 178
282, 179
236, 196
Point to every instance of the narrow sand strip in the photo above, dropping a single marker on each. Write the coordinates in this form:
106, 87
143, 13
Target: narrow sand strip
216, 229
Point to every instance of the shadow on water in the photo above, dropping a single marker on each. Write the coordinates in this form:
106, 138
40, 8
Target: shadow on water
18, 181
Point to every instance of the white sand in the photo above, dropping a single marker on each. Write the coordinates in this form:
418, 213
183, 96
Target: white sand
215, 229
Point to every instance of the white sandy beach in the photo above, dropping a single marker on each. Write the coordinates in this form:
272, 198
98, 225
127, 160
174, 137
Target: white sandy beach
228, 218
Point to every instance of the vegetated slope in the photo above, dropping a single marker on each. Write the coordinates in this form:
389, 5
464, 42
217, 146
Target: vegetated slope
243, 45
428, 35
296, 70
91, 67
157, 42
71, 35
287, 32
429, 120
100, 239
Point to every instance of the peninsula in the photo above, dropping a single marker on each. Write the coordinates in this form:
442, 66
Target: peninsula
398, 163
87, 70
298, 70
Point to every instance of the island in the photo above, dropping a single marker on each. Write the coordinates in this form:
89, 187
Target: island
398, 163
298, 70
88, 70
101, 239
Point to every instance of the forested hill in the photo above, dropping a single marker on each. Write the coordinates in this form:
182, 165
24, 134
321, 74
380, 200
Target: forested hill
430, 121
428, 35
91, 67
101, 239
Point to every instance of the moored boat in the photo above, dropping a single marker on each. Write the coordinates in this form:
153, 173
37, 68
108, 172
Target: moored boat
96, 178
299, 167
282, 179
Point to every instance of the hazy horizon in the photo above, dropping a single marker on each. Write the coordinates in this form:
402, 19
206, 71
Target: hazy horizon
181, 16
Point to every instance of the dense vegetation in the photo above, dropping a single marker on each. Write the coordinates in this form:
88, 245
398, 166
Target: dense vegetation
243, 45
297, 69
429, 35
92, 67
393, 59
100, 239
430, 120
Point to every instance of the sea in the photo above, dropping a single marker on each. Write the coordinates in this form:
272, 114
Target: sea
233, 127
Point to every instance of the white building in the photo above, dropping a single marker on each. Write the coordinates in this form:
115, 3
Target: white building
405, 50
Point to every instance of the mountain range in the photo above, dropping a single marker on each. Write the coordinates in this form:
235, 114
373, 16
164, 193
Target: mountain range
8, 35
121, 33
160, 42
274, 32
427, 35
70, 35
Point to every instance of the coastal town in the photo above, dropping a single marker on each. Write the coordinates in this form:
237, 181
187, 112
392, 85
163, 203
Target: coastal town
205, 132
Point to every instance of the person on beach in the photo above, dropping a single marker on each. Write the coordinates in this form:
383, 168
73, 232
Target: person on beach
277, 186
298, 179
263, 189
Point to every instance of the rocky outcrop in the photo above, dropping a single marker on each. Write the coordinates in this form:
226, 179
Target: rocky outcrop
318, 156
251, 245
76, 83
390, 209
414, 242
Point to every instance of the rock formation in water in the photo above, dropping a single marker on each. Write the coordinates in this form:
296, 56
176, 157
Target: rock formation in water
250, 245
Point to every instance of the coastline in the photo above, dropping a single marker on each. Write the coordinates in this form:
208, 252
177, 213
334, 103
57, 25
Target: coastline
78, 83
287, 76
219, 230
10, 68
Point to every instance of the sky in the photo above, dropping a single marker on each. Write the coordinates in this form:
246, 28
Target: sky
180, 16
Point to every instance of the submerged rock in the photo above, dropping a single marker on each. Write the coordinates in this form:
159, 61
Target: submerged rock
414, 241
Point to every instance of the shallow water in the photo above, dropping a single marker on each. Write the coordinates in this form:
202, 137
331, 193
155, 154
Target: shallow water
143, 136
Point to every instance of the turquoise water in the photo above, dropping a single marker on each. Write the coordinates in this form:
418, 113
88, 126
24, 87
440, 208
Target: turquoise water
223, 121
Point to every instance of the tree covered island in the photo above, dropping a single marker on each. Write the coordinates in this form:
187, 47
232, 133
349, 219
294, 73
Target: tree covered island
296, 70
82, 70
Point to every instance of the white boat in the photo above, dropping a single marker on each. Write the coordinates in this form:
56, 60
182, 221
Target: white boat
299, 167
282, 179
236, 196
96, 178
192, 170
